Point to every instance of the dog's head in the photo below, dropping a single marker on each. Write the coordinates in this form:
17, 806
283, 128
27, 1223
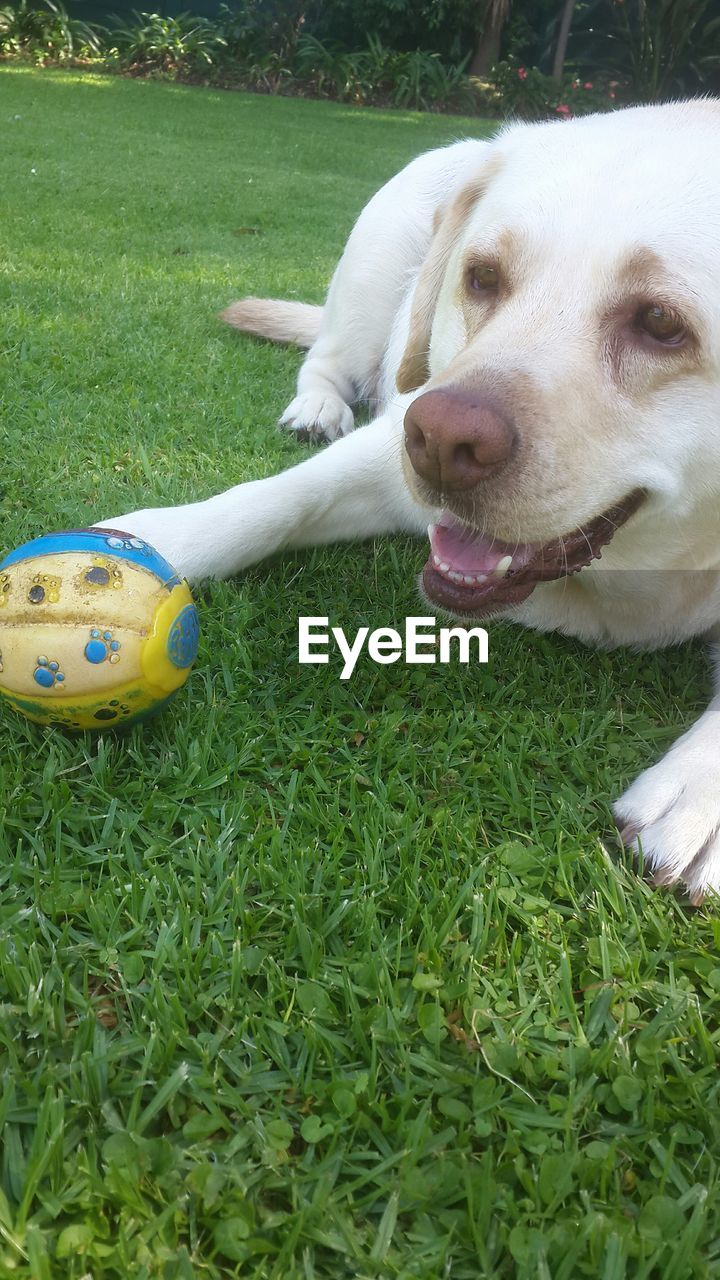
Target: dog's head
565, 346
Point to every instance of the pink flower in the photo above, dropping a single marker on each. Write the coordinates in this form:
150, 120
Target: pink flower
588, 85
563, 109
522, 73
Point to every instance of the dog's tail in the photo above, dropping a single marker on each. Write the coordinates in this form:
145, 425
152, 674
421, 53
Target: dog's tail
295, 322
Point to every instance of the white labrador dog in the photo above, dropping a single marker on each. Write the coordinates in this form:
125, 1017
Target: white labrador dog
539, 318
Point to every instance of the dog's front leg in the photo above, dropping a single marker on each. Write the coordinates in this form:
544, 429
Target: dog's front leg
673, 809
352, 490
386, 247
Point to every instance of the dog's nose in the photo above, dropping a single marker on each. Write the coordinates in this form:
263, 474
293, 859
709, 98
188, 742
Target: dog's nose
455, 439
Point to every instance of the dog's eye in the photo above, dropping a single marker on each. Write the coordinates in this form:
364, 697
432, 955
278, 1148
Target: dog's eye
483, 278
663, 325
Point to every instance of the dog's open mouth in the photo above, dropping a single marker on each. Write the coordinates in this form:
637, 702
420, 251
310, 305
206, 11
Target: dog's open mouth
469, 573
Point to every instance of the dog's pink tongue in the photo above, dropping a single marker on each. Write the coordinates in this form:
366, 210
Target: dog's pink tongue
464, 550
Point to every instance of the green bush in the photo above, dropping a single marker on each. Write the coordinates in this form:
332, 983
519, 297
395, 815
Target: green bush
423, 80
527, 93
234, 52
45, 32
660, 47
258, 32
179, 45
415, 81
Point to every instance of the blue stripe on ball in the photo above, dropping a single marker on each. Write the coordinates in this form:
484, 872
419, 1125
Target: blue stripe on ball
109, 542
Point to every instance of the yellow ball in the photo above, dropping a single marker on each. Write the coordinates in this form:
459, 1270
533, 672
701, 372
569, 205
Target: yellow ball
96, 629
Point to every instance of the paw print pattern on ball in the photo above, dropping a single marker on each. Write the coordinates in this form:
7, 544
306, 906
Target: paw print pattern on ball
47, 674
115, 710
101, 647
103, 573
4, 588
182, 642
45, 589
126, 544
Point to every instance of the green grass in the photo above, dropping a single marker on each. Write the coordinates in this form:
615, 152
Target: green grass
305, 979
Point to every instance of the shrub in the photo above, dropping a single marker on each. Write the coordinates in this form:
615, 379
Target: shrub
268, 73
327, 70
527, 93
660, 47
46, 32
261, 32
183, 44
424, 81
233, 52
415, 81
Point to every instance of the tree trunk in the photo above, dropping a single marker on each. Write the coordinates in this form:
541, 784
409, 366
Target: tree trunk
488, 49
562, 40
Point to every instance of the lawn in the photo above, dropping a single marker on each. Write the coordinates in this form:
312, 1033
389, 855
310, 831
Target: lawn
309, 979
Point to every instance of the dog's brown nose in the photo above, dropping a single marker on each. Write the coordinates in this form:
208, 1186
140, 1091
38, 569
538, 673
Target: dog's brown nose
455, 439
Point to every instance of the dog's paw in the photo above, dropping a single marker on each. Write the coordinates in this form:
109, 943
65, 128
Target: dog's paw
171, 531
318, 417
673, 812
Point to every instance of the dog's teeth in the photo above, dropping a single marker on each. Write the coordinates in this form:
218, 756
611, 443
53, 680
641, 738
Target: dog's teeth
455, 577
471, 579
502, 566
444, 568
436, 561
431, 530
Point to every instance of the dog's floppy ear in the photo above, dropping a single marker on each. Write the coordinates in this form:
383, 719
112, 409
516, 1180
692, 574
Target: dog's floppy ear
449, 221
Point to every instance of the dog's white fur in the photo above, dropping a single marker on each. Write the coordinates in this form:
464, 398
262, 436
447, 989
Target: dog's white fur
588, 219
